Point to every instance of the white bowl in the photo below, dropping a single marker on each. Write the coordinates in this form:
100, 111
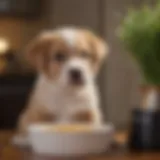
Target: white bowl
94, 141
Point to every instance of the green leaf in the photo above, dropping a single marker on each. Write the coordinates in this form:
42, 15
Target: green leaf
140, 34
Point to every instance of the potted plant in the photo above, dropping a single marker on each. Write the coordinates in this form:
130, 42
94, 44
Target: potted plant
140, 34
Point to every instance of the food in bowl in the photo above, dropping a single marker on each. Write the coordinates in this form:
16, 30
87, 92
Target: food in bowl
69, 128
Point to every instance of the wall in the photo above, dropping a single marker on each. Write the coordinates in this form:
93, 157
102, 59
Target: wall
123, 75
71, 12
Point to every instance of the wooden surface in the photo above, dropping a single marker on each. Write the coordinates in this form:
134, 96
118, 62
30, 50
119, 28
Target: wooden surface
9, 152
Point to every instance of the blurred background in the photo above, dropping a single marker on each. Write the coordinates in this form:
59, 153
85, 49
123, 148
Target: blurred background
21, 20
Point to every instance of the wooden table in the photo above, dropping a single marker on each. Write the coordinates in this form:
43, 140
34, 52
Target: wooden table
9, 152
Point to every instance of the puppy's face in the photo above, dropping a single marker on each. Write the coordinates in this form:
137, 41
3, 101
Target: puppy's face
70, 57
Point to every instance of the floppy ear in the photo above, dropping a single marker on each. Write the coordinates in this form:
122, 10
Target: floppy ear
38, 50
101, 50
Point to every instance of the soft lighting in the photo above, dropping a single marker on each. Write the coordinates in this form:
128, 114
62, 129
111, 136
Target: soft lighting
4, 46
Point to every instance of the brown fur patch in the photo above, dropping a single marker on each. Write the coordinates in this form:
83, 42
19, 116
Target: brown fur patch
83, 116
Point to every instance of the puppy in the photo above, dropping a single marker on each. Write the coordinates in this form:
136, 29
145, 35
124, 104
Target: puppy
67, 61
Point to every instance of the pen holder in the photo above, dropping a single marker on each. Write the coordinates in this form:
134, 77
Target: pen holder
145, 130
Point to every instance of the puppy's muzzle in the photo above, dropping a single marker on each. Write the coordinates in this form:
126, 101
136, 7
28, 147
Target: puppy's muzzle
76, 77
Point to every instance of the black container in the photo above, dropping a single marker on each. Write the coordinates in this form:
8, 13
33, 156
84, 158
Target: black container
14, 93
145, 130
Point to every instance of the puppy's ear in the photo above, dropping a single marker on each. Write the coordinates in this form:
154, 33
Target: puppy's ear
101, 51
38, 49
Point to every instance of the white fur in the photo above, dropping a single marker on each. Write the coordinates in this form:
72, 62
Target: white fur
83, 66
69, 35
64, 101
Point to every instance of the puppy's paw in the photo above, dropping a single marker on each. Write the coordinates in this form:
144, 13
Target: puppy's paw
88, 116
83, 117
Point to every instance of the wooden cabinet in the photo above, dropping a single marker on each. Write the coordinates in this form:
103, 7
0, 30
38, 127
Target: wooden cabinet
14, 94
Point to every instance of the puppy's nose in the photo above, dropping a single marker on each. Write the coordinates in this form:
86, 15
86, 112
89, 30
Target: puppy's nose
75, 74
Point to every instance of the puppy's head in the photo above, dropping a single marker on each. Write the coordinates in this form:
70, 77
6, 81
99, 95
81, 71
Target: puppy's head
68, 56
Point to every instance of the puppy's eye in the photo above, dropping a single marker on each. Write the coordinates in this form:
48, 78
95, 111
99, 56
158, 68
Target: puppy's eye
60, 57
85, 54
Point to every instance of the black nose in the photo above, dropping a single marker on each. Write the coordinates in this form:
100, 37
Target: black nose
75, 74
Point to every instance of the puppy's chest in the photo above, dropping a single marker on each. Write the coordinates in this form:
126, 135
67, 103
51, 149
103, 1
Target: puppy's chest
63, 101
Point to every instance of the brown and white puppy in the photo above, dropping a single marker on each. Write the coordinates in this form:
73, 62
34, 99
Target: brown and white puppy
67, 61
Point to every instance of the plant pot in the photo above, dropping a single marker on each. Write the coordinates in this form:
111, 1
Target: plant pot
145, 125
150, 97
